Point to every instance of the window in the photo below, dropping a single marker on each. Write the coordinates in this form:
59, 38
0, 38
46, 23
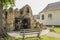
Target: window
21, 12
50, 16
27, 10
42, 17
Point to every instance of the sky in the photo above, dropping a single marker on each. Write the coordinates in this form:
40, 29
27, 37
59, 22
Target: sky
36, 5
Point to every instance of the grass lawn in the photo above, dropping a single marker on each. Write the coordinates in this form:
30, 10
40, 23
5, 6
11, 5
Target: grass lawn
10, 38
43, 38
56, 29
33, 38
48, 38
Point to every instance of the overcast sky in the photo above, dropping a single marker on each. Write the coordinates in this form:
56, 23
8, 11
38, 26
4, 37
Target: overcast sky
36, 5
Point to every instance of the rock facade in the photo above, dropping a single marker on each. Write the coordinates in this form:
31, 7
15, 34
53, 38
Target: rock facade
16, 19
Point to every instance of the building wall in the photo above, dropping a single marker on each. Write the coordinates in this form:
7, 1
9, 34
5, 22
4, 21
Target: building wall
55, 17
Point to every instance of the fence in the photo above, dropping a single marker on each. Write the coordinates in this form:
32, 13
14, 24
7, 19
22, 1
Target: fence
25, 32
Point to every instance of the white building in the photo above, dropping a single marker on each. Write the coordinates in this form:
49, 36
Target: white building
51, 14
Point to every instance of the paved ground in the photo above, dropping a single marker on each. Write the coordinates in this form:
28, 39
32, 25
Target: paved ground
18, 34
53, 34
32, 34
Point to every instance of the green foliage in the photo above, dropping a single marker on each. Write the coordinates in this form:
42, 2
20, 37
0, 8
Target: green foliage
7, 2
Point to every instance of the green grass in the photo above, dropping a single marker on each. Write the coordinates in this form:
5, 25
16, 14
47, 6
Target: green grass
42, 38
56, 29
48, 38
33, 38
10, 38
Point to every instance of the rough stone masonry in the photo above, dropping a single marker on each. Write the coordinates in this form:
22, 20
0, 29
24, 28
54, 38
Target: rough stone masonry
16, 19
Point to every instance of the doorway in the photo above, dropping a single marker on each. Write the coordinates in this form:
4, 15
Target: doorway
26, 23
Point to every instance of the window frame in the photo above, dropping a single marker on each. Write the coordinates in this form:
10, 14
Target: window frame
50, 16
42, 17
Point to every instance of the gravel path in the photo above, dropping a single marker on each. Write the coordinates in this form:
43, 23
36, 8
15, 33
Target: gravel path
52, 34
18, 34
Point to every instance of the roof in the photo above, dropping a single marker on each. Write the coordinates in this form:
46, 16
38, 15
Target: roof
52, 6
24, 7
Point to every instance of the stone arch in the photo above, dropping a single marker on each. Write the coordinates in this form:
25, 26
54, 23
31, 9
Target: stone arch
26, 23
27, 9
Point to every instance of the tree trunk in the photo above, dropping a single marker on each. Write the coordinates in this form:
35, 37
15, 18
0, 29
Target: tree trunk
2, 30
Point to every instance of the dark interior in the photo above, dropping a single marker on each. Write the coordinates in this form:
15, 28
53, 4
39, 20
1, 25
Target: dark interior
5, 15
25, 23
16, 24
27, 10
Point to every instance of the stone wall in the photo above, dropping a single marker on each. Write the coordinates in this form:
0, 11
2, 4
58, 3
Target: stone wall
20, 18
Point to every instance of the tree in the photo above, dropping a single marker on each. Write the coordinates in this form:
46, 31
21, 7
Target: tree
4, 3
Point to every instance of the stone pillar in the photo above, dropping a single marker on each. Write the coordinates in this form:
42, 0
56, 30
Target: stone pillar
10, 19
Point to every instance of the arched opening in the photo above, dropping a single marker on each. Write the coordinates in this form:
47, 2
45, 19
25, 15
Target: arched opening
17, 27
22, 24
26, 23
21, 11
27, 10
5, 15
